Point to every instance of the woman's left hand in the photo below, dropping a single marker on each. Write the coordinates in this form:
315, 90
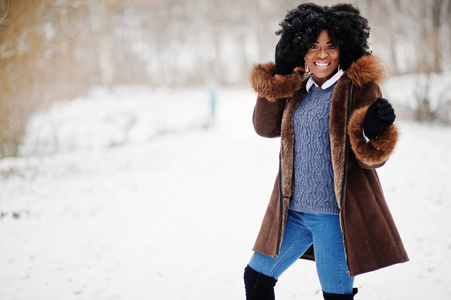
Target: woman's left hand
379, 116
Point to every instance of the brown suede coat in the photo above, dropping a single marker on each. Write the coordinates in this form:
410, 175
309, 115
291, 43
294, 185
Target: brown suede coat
369, 232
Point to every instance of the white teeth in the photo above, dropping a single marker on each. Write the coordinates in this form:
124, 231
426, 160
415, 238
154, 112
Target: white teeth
322, 64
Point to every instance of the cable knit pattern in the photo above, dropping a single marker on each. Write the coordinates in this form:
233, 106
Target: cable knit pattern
313, 174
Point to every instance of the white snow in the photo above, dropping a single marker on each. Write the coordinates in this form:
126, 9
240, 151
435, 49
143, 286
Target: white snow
412, 91
134, 193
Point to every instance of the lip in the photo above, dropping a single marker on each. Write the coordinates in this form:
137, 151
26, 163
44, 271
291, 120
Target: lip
322, 65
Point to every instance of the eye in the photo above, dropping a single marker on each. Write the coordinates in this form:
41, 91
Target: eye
313, 46
332, 47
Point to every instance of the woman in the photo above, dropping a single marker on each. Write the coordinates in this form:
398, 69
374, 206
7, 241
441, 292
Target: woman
327, 203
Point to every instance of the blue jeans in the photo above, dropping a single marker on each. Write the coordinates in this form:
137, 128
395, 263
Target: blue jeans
301, 231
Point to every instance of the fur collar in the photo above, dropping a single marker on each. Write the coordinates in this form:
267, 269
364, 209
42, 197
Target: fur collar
366, 69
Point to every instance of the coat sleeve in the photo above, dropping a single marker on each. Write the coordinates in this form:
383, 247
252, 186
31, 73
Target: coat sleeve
267, 117
273, 90
376, 151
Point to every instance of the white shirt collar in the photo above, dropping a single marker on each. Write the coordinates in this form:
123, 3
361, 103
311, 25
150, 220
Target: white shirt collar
326, 84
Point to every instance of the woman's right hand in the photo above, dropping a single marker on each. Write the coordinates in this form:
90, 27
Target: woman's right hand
285, 64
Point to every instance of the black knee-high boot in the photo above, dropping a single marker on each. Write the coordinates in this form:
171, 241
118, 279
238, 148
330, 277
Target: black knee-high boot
328, 296
258, 286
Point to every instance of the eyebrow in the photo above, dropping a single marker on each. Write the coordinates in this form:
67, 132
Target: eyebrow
329, 42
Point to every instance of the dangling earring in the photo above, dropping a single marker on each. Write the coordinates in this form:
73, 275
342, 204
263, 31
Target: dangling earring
306, 68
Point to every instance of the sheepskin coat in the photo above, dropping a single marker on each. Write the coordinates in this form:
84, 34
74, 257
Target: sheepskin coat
370, 236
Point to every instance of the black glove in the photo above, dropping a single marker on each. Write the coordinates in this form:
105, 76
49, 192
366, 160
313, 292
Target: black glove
379, 116
285, 62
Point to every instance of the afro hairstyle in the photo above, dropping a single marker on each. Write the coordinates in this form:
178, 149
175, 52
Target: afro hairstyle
343, 22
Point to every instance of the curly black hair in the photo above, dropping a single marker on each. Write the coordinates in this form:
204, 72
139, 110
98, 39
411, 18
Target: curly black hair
343, 22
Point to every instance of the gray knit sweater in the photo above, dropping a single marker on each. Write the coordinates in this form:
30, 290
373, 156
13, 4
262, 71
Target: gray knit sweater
313, 175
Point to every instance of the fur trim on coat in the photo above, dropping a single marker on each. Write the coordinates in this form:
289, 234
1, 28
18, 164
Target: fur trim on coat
377, 150
276, 86
266, 84
366, 69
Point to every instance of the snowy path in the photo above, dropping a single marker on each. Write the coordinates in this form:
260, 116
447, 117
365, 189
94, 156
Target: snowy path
176, 217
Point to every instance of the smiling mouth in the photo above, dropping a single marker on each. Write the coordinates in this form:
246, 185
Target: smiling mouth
322, 65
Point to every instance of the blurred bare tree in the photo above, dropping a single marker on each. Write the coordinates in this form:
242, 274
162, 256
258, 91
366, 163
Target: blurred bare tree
59, 49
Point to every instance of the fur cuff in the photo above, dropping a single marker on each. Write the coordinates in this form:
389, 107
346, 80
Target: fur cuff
377, 150
274, 87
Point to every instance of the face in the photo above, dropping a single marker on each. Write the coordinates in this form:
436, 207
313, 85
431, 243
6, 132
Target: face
323, 58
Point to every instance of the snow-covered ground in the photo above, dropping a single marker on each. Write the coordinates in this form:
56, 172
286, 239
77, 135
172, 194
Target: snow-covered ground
135, 193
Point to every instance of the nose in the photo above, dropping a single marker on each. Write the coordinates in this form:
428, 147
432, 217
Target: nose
322, 53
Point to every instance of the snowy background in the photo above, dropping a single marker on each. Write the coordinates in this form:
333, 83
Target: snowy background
129, 167
143, 193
